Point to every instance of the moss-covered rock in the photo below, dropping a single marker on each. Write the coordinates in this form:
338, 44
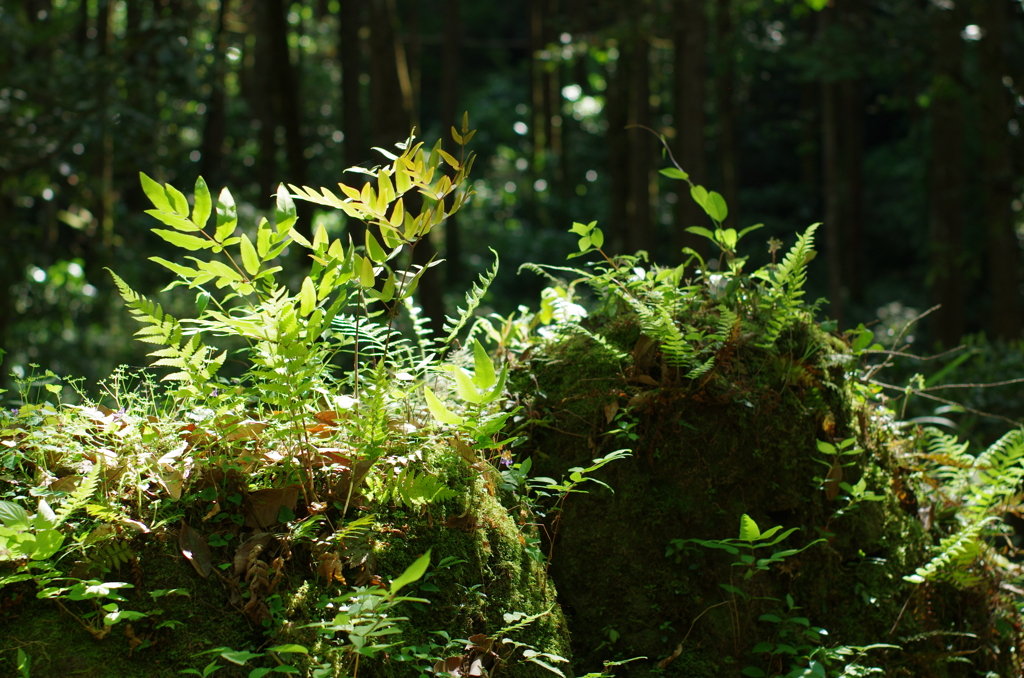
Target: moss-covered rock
740, 439
481, 581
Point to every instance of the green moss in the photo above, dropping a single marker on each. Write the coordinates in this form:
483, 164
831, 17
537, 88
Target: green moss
742, 439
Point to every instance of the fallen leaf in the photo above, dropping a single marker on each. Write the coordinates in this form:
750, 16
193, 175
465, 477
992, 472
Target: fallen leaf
241, 559
195, 549
66, 484
610, 410
647, 380
452, 666
262, 507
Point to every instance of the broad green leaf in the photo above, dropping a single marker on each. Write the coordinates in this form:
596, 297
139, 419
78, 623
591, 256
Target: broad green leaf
373, 249
179, 203
749, 531
674, 173
263, 235
290, 648
203, 204
398, 212
284, 215
716, 207
299, 238
464, 387
14, 516
582, 229
366, 273
700, 195
597, 238
825, 448
250, 260
439, 411
584, 243
156, 194
413, 573
183, 271
48, 542
45, 518
700, 230
239, 657
182, 224
307, 297
388, 293
320, 237
483, 376
227, 216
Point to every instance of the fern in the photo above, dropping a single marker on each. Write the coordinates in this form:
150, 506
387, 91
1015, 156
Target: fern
80, 497
956, 553
780, 303
473, 298
191, 358
413, 490
597, 339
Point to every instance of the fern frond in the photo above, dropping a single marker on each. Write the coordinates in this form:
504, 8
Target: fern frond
81, 496
161, 327
597, 339
956, 553
793, 269
413, 490
473, 298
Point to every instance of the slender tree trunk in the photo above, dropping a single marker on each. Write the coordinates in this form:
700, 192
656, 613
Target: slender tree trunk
450, 71
831, 183
997, 170
852, 154
212, 162
727, 110
105, 216
538, 92
618, 150
947, 178
690, 73
641, 232
263, 94
350, 21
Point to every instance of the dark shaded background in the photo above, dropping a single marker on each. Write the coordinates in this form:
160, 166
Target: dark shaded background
896, 122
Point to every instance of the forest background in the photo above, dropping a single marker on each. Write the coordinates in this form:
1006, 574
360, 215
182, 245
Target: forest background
895, 122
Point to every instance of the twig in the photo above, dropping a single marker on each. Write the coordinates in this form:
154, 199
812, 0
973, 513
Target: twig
946, 402
888, 360
915, 357
679, 648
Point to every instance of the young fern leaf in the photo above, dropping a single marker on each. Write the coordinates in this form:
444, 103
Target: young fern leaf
615, 352
780, 304
473, 298
956, 553
413, 490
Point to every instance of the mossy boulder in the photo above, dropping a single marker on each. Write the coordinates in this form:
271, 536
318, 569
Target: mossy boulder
743, 438
481, 580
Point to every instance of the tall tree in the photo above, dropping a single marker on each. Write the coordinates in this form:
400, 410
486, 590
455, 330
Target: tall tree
350, 21
211, 148
832, 177
690, 70
450, 73
997, 168
640, 235
947, 175
726, 106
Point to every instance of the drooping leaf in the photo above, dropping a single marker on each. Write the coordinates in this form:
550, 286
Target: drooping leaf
195, 549
307, 297
716, 207
749, 531
674, 173
284, 214
250, 260
484, 376
227, 216
155, 192
203, 204
439, 411
413, 573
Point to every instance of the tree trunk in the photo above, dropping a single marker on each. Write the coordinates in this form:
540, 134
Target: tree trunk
727, 111
690, 71
641, 233
946, 179
997, 171
831, 183
618, 150
350, 21
852, 158
452, 58
212, 162
263, 101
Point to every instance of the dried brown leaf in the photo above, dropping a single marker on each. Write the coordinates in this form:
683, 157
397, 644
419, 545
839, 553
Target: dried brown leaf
832, 480
194, 547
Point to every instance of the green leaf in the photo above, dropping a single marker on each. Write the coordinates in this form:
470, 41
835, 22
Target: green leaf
366, 273
674, 173
179, 203
753, 672
464, 387
299, 238
581, 229
413, 573
307, 297
291, 648
227, 216
388, 293
14, 516
716, 207
250, 260
825, 448
439, 411
183, 271
374, 250
749, 531
700, 230
584, 243
284, 215
748, 229
597, 238
180, 223
263, 234
484, 376
203, 204
156, 194
239, 657
700, 195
